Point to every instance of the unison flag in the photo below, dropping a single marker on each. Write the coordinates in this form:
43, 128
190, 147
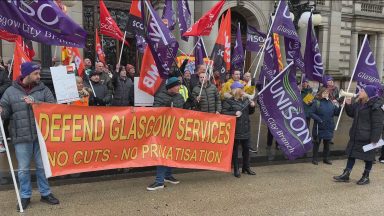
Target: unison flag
221, 53
161, 41
283, 24
293, 53
366, 72
184, 16
41, 21
204, 25
237, 62
282, 110
200, 53
108, 26
168, 15
18, 58
270, 65
150, 80
255, 39
314, 68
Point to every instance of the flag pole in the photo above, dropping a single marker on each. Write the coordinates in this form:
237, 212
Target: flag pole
257, 55
245, 56
350, 82
122, 47
11, 67
269, 33
10, 165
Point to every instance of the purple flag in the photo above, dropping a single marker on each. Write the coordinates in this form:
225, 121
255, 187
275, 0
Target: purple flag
135, 25
255, 39
270, 66
293, 53
314, 68
161, 41
200, 53
168, 15
366, 71
282, 110
41, 21
237, 62
184, 15
283, 24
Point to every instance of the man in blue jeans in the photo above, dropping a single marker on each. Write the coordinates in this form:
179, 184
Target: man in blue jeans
16, 105
167, 97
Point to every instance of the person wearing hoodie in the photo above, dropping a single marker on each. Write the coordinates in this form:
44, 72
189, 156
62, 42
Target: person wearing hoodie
367, 127
323, 111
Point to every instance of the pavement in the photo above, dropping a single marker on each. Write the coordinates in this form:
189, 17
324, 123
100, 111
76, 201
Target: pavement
285, 189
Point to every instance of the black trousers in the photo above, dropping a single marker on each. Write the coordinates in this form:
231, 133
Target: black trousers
270, 139
325, 150
245, 153
382, 154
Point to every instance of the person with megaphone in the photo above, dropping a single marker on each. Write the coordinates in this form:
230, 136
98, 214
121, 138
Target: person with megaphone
323, 110
367, 127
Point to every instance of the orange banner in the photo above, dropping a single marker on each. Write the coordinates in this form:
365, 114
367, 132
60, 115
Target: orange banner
77, 139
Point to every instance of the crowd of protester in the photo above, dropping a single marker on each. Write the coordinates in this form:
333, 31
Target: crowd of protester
196, 90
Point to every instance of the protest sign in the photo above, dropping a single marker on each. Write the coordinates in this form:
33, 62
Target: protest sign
76, 139
64, 82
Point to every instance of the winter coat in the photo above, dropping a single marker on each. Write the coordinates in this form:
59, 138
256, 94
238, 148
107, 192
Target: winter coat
366, 128
243, 126
210, 99
23, 127
307, 107
5, 82
123, 94
323, 112
103, 95
164, 99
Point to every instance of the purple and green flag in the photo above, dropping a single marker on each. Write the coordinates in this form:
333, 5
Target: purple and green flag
366, 72
41, 21
161, 41
184, 16
282, 111
237, 62
168, 15
314, 68
255, 39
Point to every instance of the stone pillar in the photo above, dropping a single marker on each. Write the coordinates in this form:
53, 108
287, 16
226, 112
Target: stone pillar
353, 55
380, 54
333, 57
323, 44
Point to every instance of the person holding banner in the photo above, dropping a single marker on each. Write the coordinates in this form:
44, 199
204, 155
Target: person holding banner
207, 98
367, 128
168, 97
101, 96
123, 95
323, 111
83, 93
16, 105
238, 105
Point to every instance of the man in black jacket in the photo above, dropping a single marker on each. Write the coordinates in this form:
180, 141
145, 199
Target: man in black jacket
100, 96
170, 97
5, 82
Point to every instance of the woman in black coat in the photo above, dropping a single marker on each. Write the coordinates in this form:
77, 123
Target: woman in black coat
367, 127
240, 107
323, 111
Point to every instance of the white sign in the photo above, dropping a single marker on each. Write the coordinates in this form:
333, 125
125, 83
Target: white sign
64, 81
142, 98
371, 146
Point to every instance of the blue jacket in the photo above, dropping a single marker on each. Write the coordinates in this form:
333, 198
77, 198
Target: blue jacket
323, 111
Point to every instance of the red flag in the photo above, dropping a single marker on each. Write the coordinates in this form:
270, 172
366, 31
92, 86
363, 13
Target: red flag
28, 48
108, 26
18, 58
150, 79
204, 25
99, 50
135, 8
79, 62
4, 35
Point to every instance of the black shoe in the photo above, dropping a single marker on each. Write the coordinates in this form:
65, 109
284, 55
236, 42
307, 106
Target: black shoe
248, 171
236, 173
155, 186
50, 199
315, 162
252, 150
326, 161
343, 177
364, 179
24, 203
171, 180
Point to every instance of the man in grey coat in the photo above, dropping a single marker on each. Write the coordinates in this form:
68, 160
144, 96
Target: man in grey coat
209, 99
16, 105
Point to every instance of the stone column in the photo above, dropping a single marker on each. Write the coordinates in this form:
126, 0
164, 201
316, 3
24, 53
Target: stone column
380, 53
353, 55
323, 44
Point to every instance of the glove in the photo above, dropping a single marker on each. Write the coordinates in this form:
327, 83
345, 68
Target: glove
99, 101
